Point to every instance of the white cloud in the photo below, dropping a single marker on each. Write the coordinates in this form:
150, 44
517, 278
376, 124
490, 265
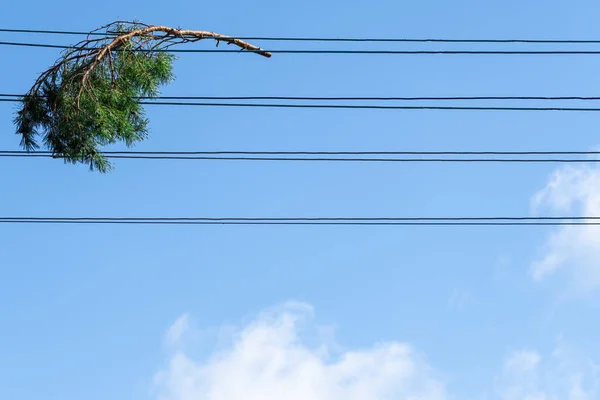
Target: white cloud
571, 250
564, 375
268, 359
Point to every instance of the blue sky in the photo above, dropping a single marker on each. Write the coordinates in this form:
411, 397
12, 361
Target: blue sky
130, 312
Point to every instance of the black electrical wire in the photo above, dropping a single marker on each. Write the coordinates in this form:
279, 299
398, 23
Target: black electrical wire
317, 156
357, 107
398, 52
422, 221
329, 39
316, 219
331, 159
332, 153
13, 96
369, 107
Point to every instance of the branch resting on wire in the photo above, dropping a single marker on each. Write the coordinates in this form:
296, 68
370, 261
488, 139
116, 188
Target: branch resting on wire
89, 97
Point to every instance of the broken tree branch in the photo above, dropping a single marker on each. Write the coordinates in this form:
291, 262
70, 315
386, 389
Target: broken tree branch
88, 98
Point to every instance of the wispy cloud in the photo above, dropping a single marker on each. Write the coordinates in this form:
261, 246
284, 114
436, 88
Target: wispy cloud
571, 250
563, 375
177, 330
460, 299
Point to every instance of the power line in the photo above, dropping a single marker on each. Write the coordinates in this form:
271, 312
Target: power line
316, 219
418, 221
228, 152
330, 39
322, 159
354, 98
306, 51
371, 107
317, 156
357, 107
